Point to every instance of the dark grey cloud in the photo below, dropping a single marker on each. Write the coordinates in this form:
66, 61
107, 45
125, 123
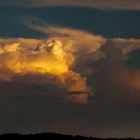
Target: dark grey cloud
117, 84
13, 3
33, 111
99, 4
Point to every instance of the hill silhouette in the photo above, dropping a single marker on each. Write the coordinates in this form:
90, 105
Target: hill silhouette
57, 136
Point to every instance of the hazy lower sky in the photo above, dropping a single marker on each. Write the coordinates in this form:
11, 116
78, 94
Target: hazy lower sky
70, 67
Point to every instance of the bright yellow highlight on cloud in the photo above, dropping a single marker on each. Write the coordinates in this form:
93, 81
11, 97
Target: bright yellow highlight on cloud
49, 57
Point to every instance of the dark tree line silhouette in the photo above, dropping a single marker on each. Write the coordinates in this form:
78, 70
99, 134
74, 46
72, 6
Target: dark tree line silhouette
51, 136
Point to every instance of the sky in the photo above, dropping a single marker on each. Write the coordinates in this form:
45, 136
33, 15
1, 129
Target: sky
70, 67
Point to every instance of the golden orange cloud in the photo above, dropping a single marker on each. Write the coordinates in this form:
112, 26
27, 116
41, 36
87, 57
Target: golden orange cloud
46, 57
69, 60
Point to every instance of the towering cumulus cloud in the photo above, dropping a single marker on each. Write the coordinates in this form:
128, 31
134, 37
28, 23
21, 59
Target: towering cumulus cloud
51, 60
57, 61
71, 64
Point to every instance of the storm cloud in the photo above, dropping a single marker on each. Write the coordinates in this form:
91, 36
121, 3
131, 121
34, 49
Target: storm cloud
95, 93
